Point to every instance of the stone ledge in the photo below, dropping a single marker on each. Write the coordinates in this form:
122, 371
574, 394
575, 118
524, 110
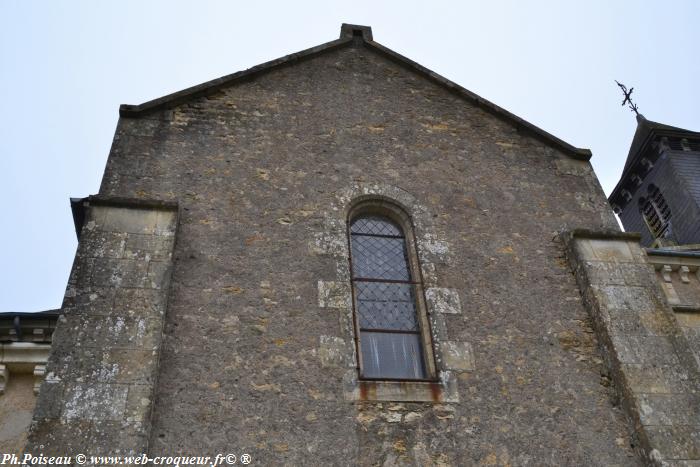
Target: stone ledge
16, 353
602, 234
444, 390
140, 203
79, 206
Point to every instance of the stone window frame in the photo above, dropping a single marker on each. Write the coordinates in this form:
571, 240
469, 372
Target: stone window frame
334, 294
395, 213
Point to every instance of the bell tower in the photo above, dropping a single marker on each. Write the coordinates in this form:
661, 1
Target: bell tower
658, 193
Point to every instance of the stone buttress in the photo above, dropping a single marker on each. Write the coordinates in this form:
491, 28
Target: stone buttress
97, 395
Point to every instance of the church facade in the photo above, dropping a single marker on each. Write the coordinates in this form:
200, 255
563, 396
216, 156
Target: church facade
342, 258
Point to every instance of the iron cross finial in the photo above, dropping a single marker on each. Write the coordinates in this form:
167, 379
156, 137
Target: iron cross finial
628, 97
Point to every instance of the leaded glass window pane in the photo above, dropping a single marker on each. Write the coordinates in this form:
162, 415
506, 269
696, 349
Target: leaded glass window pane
392, 355
375, 225
385, 301
382, 305
379, 258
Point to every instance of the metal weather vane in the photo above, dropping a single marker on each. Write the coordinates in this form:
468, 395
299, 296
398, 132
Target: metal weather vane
628, 97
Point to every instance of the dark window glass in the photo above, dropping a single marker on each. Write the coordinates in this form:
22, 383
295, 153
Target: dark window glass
382, 305
385, 302
379, 258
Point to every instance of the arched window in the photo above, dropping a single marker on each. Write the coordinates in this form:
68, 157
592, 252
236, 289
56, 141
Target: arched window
655, 211
393, 338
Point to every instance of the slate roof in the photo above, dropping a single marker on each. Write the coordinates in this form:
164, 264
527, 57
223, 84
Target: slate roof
350, 34
645, 129
646, 132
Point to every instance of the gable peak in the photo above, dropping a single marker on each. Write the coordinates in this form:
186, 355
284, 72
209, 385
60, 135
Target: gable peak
356, 30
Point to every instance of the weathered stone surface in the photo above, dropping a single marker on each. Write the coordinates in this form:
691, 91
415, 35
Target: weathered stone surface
652, 350
125, 220
333, 352
50, 403
443, 300
677, 441
148, 247
265, 173
607, 273
16, 403
652, 363
401, 391
649, 378
669, 409
334, 294
458, 356
94, 401
103, 366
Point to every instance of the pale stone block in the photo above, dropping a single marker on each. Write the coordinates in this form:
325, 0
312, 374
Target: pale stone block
666, 273
569, 166
166, 223
334, 294
626, 298
671, 294
147, 247
611, 250
668, 409
674, 442
39, 373
645, 350
24, 353
429, 274
325, 243
113, 219
333, 352
689, 320
443, 300
95, 402
656, 379
138, 403
585, 250
683, 272
458, 356
429, 245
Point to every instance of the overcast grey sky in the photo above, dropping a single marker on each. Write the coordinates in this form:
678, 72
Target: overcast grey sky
66, 66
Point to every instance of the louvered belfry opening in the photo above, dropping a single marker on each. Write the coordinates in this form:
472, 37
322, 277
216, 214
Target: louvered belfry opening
385, 301
656, 212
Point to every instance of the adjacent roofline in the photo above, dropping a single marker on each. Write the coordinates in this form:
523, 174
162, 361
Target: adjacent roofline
350, 34
31, 314
26, 328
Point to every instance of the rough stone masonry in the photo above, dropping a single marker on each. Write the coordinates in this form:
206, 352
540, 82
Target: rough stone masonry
254, 176
98, 392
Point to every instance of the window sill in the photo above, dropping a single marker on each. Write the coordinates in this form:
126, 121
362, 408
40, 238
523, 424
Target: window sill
443, 390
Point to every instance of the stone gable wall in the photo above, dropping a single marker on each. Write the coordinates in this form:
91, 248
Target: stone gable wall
257, 353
